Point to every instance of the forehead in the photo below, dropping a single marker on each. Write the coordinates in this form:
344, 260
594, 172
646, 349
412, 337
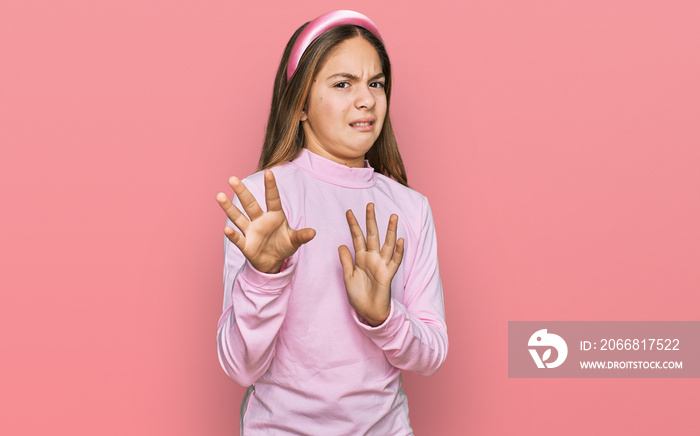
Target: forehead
355, 55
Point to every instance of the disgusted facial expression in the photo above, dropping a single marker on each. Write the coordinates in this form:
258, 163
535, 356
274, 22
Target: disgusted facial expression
345, 110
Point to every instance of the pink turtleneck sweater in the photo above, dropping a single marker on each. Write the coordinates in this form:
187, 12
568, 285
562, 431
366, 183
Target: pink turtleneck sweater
314, 366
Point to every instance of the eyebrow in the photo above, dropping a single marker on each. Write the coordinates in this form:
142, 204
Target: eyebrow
353, 77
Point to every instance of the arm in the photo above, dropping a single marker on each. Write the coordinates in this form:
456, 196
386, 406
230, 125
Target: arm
414, 335
255, 307
259, 265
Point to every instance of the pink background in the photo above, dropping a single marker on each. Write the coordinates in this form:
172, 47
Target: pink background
557, 142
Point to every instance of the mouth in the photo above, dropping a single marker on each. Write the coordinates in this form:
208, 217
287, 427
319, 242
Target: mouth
364, 122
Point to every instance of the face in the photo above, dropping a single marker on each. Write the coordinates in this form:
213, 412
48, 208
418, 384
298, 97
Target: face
346, 106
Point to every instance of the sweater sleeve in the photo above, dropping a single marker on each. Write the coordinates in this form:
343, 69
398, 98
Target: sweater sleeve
414, 336
255, 305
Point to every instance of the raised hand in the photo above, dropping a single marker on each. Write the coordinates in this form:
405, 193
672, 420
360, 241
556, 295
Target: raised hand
368, 280
265, 238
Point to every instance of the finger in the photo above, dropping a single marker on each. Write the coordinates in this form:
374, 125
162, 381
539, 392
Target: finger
301, 237
346, 262
236, 238
248, 201
398, 255
232, 212
272, 194
390, 240
372, 230
358, 238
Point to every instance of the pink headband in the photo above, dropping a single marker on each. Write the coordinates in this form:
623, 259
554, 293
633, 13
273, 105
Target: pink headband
321, 24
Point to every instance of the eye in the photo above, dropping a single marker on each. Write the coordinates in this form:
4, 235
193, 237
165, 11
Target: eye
341, 85
379, 85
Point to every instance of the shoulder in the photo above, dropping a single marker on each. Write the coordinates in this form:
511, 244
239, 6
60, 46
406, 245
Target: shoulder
281, 171
412, 205
401, 194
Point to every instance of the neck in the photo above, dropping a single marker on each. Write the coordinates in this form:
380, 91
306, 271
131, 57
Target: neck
333, 172
351, 162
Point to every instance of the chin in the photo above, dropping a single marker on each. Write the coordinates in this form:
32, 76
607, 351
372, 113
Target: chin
360, 150
364, 146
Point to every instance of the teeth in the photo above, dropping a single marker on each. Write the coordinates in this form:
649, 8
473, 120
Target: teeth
361, 124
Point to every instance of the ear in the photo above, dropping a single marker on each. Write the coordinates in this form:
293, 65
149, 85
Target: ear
303, 116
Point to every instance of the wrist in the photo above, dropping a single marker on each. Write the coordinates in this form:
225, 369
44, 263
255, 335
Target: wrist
274, 269
375, 321
269, 281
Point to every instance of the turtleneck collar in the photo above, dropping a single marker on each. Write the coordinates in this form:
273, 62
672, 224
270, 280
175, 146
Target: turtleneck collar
333, 172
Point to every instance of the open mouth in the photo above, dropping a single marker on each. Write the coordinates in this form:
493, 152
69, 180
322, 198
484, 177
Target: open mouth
362, 124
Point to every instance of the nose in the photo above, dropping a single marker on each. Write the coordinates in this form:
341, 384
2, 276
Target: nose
364, 99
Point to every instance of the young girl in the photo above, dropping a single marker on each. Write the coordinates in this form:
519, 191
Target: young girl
318, 332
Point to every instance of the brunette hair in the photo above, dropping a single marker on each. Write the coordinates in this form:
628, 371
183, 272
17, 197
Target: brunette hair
284, 137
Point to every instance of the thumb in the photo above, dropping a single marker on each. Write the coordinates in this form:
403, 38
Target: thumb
346, 261
301, 237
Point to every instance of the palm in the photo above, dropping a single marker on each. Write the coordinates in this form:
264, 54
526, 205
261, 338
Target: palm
371, 271
368, 279
266, 238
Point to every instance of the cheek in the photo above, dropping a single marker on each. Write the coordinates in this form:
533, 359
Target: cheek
380, 101
381, 107
329, 104
380, 112
332, 109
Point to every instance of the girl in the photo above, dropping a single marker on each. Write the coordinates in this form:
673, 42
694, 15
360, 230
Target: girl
318, 335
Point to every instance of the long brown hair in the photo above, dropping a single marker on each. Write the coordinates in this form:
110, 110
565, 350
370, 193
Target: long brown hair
284, 137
